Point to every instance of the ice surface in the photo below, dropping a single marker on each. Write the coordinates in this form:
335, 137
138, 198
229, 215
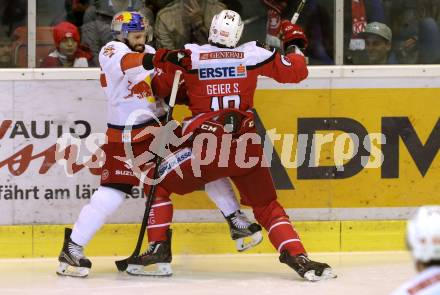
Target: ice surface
245, 274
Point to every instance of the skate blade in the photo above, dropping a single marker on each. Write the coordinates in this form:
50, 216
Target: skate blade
242, 245
326, 275
65, 269
163, 270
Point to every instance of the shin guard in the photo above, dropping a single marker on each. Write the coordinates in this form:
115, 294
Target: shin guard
160, 218
281, 232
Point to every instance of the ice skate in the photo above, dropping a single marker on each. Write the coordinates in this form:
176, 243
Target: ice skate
245, 233
306, 268
73, 263
158, 254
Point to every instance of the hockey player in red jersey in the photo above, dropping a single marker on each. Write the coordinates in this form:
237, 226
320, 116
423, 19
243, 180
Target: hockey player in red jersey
126, 74
220, 87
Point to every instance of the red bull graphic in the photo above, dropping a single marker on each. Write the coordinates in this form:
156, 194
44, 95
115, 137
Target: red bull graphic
140, 90
123, 17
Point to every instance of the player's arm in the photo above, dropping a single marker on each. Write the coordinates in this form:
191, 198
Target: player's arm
116, 56
138, 61
291, 67
167, 60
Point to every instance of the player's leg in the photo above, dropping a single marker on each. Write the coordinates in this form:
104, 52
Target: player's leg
103, 203
257, 190
245, 233
221, 193
158, 254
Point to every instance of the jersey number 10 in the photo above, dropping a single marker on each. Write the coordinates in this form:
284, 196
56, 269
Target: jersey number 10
225, 102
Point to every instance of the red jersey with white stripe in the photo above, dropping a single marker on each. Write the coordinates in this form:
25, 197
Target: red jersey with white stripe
227, 78
127, 85
221, 80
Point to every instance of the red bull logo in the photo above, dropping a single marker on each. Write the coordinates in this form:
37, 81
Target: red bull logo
109, 51
123, 17
140, 90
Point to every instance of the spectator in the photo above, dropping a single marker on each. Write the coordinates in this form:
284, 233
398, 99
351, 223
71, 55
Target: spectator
318, 24
13, 14
423, 240
185, 21
273, 24
151, 9
378, 37
417, 35
95, 31
73, 12
68, 52
6, 57
315, 19
357, 13
429, 9
156, 5
108, 7
428, 42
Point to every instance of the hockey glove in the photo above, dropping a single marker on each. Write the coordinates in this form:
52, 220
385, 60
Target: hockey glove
172, 60
293, 35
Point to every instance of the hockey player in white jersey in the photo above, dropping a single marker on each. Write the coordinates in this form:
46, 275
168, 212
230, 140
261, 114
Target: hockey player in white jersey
126, 72
423, 240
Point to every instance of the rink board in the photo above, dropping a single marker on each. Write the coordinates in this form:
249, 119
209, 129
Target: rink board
358, 208
34, 189
205, 238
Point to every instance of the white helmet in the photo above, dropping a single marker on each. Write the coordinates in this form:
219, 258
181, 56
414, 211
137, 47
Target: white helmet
226, 28
424, 234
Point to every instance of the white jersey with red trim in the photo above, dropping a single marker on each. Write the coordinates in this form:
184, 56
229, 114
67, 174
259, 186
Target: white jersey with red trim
127, 86
425, 283
227, 78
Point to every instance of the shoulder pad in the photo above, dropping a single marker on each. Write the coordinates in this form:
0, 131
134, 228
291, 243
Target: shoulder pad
112, 48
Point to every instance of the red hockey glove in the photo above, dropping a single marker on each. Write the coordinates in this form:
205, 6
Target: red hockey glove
293, 35
172, 60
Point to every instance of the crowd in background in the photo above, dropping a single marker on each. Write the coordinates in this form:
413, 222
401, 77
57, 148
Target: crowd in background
392, 32
70, 33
